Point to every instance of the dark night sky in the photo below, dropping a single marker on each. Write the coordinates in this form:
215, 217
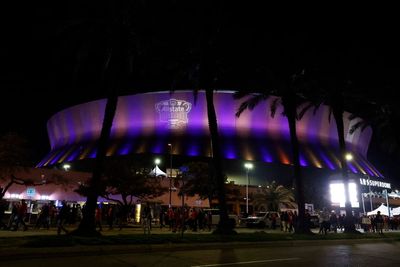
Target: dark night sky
38, 57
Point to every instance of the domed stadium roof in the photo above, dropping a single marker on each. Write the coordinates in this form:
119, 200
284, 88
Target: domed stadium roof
148, 122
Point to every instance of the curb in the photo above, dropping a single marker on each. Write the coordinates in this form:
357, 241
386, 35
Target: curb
54, 252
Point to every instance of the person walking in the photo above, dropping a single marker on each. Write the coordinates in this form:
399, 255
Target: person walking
2, 210
325, 225
379, 223
110, 216
62, 217
22, 211
333, 220
43, 219
97, 218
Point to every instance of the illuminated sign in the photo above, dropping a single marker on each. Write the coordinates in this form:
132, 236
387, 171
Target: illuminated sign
174, 112
338, 194
374, 183
30, 191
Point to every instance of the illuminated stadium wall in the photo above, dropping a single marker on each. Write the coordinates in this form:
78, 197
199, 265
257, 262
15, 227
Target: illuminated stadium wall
146, 123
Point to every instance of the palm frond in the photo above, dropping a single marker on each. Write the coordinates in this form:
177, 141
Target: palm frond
251, 103
274, 106
304, 110
357, 125
352, 116
330, 115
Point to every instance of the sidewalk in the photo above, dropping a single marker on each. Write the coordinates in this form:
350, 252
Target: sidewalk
16, 248
137, 229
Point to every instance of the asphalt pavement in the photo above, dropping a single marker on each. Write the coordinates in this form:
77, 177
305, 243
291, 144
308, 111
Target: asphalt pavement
297, 252
313, 254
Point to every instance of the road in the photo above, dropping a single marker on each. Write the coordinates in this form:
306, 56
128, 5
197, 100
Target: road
318, 254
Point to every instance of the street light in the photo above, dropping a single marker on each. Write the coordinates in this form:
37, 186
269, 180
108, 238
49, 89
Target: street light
369, 191
157, 161
248, 167
349, 157
170, 174
66, 167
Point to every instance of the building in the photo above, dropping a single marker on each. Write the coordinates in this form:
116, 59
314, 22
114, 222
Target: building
175, 125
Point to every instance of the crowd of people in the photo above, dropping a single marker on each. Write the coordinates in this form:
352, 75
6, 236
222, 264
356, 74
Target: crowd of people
332, 222
48, 216
175, 219
379, 223
187, 218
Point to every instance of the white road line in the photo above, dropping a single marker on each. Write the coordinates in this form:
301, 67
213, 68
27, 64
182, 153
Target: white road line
245, 262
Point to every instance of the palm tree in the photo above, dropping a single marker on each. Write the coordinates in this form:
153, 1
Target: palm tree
339, 98
272, 196
290, 98
13, 158
383, 118
112, 38
204, 76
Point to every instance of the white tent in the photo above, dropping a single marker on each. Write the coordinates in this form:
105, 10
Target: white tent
382, 208
396, 211
158, 172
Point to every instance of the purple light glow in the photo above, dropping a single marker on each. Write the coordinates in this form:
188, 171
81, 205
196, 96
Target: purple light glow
326, 159
266, 155
58, 156
74, 154
125, 149
193, 150
230, 152
93, 153
351, 167
303, 161
157, 148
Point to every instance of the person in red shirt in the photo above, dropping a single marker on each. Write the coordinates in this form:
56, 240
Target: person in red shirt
22, 211
98, 217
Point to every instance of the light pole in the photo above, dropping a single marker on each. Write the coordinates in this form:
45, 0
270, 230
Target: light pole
248, 167
157, 161
346, 182
170, 174
369, 192
362, 200
387, 202
66, 167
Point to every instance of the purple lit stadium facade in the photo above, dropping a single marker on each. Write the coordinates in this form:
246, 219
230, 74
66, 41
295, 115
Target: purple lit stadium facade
145, 123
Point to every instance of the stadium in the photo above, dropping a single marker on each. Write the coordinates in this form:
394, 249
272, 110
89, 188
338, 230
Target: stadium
145, 123
175, 124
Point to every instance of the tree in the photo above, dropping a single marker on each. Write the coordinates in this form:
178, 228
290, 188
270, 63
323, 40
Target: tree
204, 75
272, 196
199, 180
128, 179
110, 35
383, 118
338, 95
13, 159
290, 97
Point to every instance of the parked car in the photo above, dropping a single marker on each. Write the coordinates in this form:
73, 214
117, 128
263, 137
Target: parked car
263, 219
215, 216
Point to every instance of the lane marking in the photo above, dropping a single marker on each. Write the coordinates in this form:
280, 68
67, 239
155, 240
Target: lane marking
245, 262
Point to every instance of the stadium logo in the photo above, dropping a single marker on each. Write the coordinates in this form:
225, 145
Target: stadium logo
174, 112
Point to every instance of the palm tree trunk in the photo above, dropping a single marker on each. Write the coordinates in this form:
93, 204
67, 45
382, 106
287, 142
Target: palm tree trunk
223, 226
87, 225
338, 115
290, 110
